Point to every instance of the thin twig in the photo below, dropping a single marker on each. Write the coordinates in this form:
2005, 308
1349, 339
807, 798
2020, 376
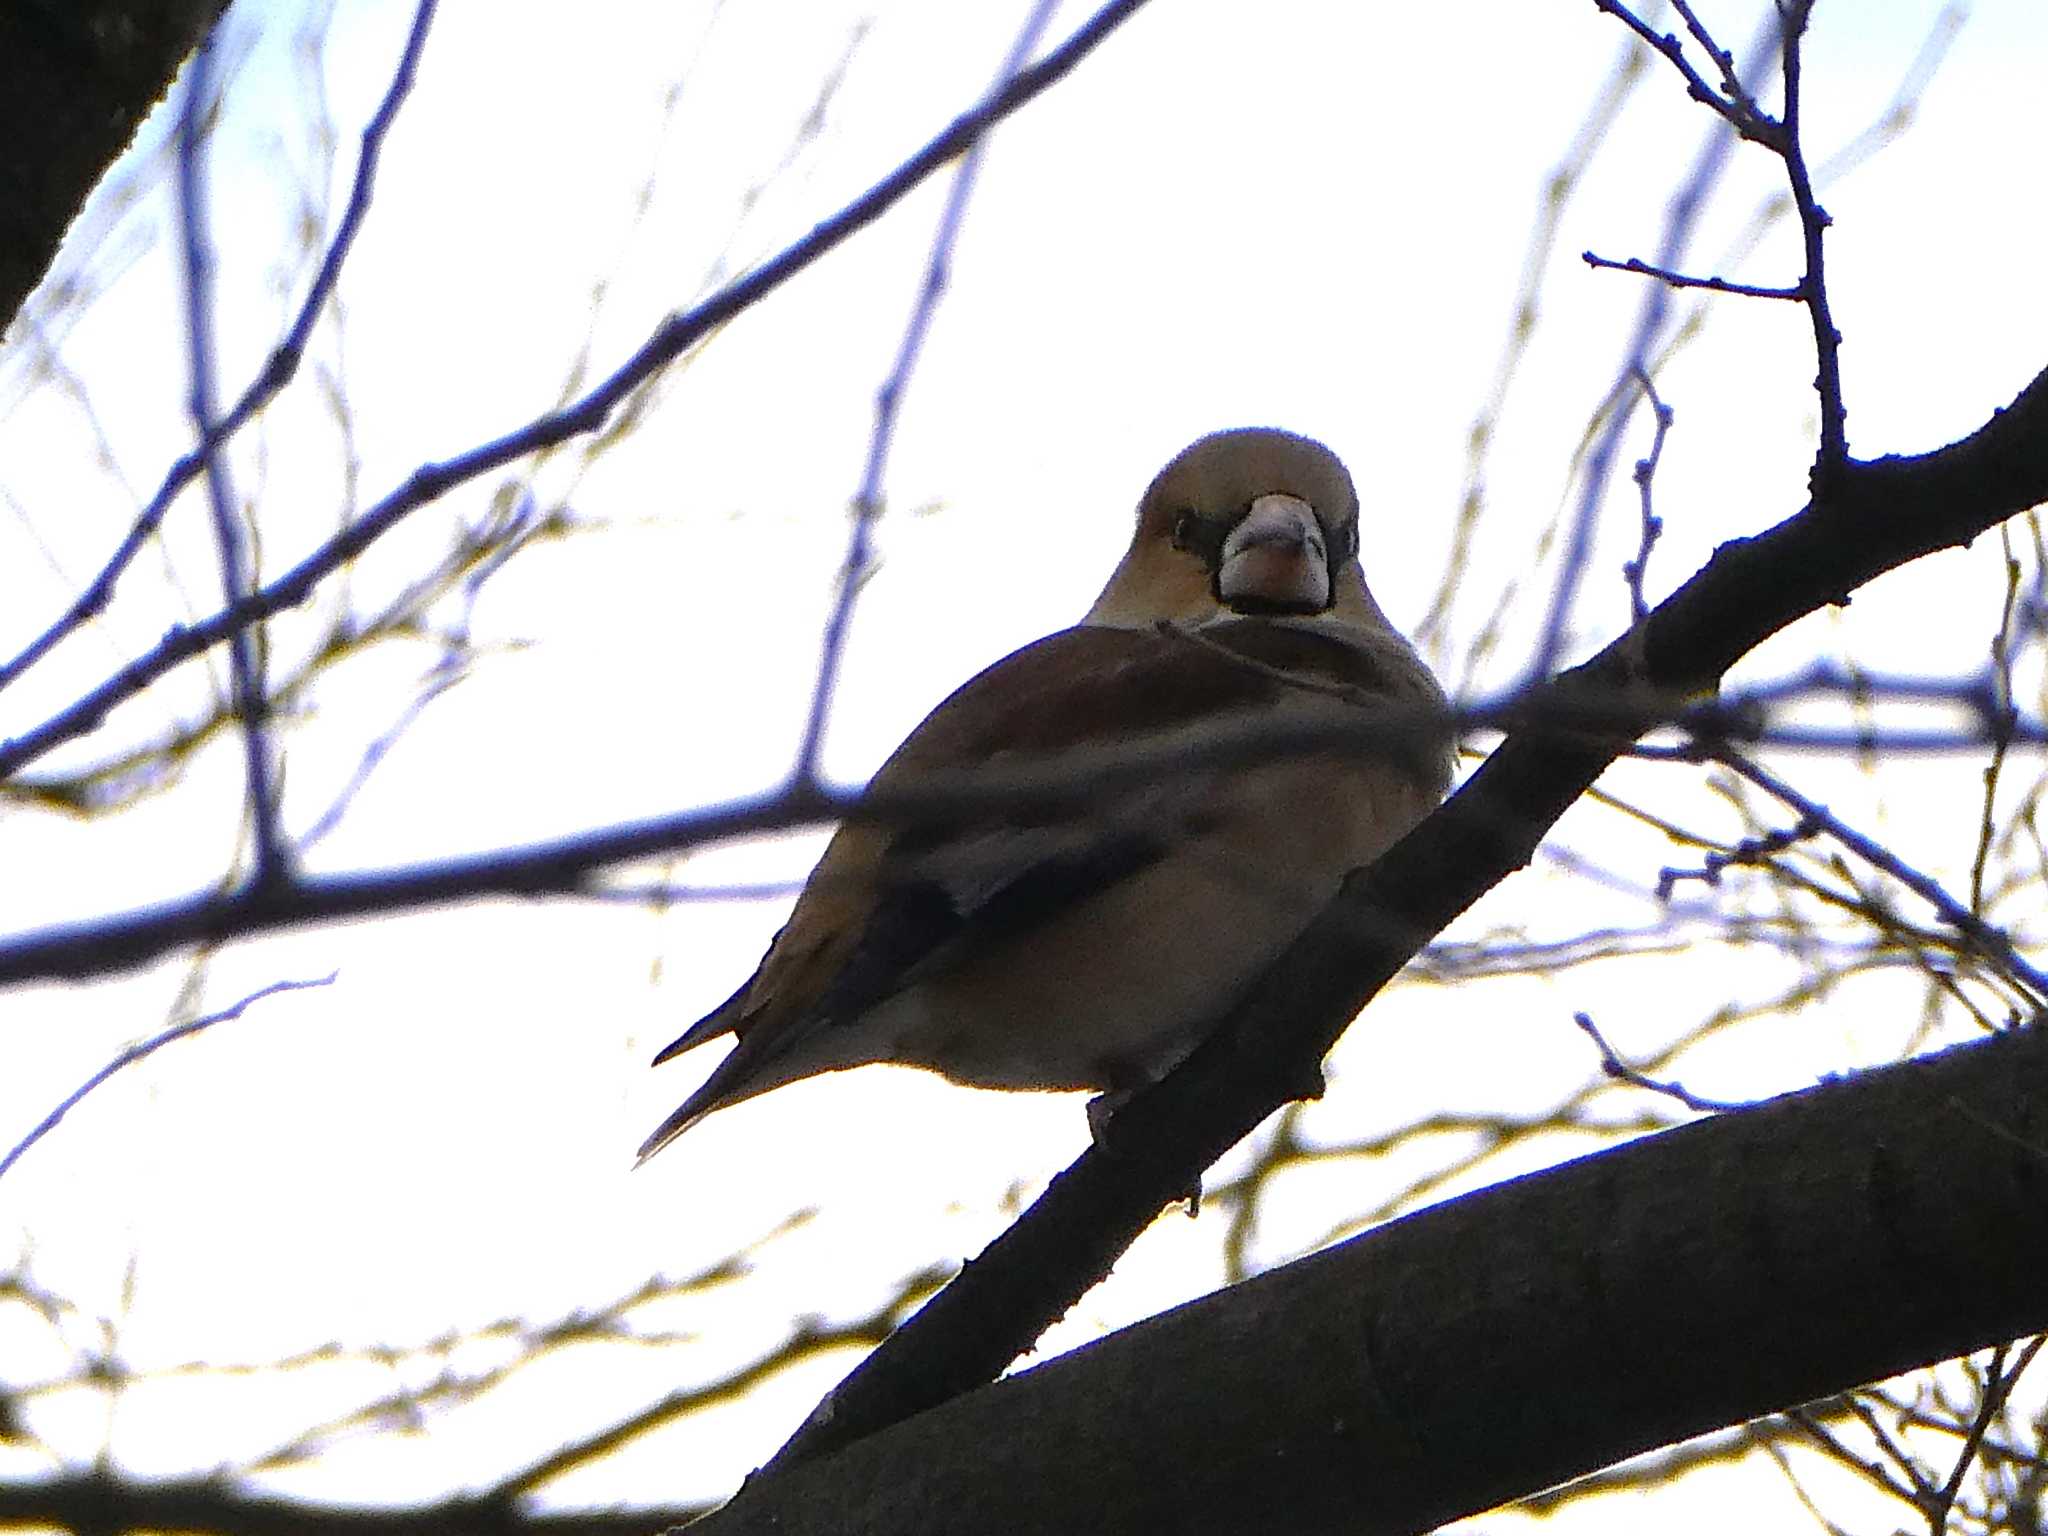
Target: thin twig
1900, 1457
1740, 114
1612, 1064
2001, 671
245, 664
674, 336
1634, 570
277, 371
1989, 941
1751, 852
1280, 677
1681, 218
1724, 60
568, 866
450, 668
1841, 1454
1813, 223
664, 894
1682, 280
1560, 184
149, 1047
867, 502
1998, 1386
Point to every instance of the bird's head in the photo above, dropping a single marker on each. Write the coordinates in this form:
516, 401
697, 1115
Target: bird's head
1251, 521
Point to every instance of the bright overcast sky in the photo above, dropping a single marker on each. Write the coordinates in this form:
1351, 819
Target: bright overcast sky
1304, 214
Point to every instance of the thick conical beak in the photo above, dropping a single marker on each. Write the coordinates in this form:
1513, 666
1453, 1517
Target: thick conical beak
1274, 559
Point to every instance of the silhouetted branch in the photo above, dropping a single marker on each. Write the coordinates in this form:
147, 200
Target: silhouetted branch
1386, 1386
245, 664
572, 865
103, 1501
278, 371
137, 1052
589, 413
1680, 280
1737, 108
867, 501
1681, 219
1878, 516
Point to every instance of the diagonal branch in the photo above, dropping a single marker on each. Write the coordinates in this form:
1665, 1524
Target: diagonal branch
669, 340
278, 371
1878, 516
1515, 1337
867, 502
1990, 942
145, 1048
1737, 108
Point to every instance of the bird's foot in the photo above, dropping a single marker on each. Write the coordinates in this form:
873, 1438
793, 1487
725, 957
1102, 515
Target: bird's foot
1102, 1110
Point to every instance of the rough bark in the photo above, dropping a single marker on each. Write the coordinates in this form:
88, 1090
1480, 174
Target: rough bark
1507, 1341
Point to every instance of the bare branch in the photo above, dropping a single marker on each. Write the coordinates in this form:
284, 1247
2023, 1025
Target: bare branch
1681, 218
1636, 569
149, 1047
1880, 516
1782, 137
1752, 851
1997, 1392
1995, 945
1612, 1064
867, 502
245, 665
1681, 280
1731, 82
1559, 185
570, 866
277, 372
1813, 224
1738, 110
101, 1500
587, 414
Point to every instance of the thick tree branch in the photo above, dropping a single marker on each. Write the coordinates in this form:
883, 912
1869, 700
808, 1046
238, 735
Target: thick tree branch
1878, 516
1506, 1341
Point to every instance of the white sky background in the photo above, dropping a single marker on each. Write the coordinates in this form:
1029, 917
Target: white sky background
1314, 219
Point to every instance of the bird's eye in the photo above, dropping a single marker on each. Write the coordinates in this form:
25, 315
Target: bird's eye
1343, 543
1197, 535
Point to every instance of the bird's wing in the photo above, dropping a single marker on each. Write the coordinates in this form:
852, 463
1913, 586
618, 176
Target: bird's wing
888, 905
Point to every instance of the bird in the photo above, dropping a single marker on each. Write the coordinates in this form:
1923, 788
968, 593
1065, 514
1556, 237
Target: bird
1092, 946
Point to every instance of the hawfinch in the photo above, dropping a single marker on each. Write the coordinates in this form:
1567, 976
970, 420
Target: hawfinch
1093, 948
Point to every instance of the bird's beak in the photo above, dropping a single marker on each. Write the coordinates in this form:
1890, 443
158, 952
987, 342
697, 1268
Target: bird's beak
1274, 558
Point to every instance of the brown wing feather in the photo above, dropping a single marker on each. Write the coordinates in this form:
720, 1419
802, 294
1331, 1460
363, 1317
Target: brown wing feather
883, 903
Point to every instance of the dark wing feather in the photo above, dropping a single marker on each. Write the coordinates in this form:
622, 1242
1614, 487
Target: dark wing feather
885, 907
917, 921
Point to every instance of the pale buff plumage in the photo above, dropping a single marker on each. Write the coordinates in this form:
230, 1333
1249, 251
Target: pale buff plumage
1093, 951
